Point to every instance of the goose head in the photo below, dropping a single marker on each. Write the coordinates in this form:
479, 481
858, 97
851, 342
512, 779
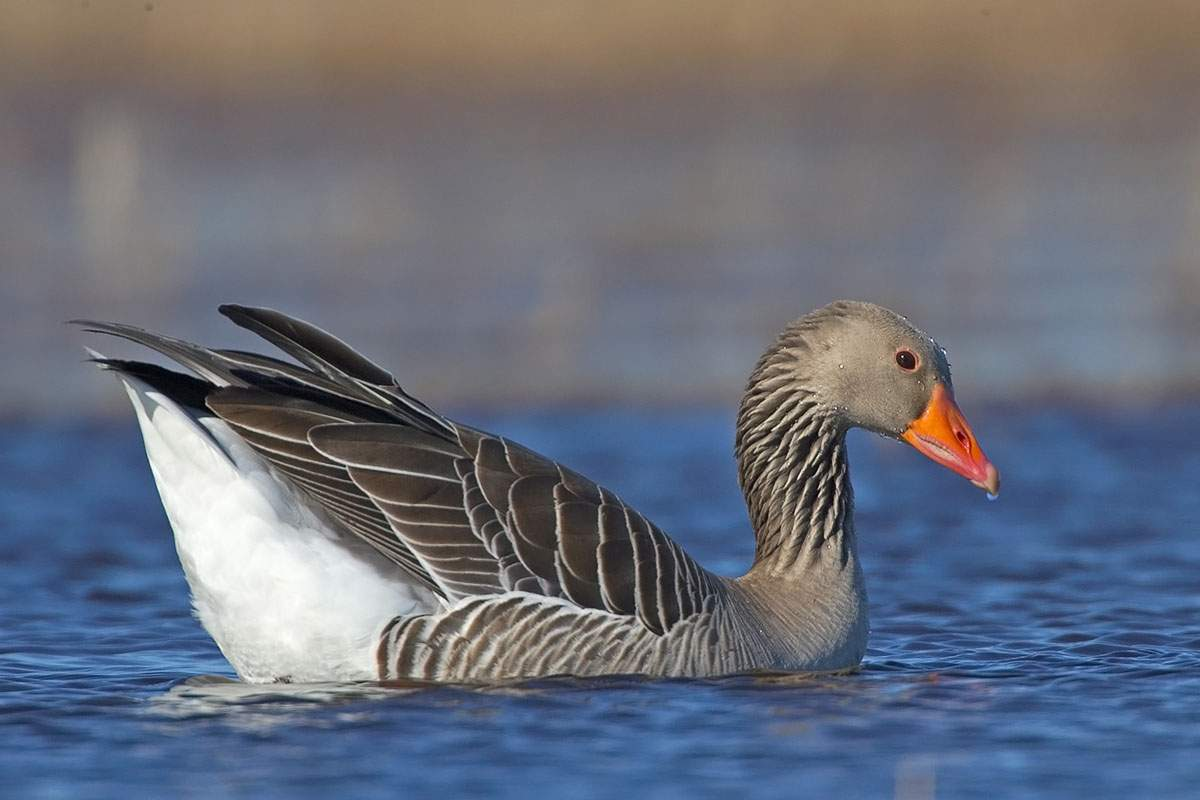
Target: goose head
862, 365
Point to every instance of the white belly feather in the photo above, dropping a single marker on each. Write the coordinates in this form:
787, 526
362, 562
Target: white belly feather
285, 595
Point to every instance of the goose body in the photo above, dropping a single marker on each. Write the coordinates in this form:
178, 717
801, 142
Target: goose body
333, 527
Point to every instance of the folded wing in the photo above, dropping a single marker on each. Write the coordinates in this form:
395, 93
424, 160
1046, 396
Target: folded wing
490, 509
465, 512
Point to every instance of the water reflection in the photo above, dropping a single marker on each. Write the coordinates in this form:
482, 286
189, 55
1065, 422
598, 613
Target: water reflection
789, 703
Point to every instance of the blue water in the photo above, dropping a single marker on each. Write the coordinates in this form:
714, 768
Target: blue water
1046, 644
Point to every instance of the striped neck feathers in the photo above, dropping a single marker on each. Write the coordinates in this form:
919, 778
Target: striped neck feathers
792, 468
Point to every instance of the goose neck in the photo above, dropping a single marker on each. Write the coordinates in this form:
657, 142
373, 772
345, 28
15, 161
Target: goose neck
795, 477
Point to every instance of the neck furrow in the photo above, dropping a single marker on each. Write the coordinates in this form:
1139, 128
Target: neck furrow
796, 481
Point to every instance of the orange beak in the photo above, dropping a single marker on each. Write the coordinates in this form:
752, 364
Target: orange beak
942, 434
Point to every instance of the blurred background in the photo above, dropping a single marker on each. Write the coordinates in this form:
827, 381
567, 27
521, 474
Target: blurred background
597, 203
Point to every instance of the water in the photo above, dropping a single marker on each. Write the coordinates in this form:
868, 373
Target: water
1048, 643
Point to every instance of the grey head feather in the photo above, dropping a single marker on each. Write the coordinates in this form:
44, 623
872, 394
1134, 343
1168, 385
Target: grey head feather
840, 359
828, 371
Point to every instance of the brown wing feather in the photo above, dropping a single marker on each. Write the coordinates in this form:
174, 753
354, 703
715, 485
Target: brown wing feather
464, 512
277, 428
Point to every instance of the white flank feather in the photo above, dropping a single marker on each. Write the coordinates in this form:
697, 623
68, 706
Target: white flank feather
282, 593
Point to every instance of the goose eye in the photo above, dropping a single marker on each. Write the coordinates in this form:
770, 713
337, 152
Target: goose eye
906, 360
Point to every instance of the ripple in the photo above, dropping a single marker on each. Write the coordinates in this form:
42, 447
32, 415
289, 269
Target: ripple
1012, 643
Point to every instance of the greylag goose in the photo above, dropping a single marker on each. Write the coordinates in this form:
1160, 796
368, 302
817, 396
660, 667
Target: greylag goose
332, 527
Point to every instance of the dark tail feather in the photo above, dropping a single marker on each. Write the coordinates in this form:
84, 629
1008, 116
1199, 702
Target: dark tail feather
198, 359
330, 356
183, 389
308, 344
336, 369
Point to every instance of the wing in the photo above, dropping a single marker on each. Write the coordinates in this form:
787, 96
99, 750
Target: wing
465, 512
488, 509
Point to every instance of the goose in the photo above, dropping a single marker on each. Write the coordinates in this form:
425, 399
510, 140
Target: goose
332, 527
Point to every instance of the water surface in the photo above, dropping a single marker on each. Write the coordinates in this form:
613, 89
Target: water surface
1047, 643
